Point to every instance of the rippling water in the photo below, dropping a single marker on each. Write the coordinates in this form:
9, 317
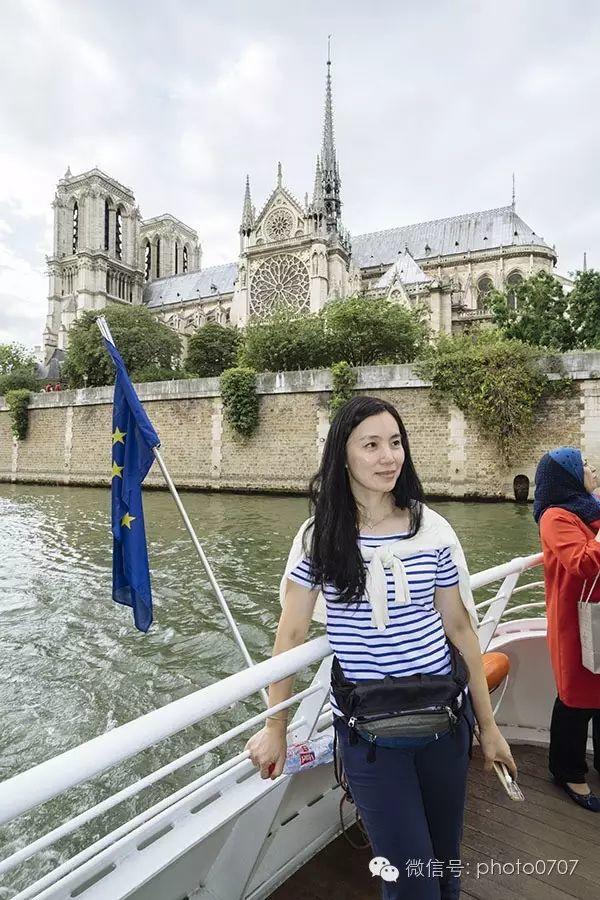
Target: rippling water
73, 666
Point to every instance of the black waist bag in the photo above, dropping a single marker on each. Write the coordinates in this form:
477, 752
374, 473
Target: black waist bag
406, 706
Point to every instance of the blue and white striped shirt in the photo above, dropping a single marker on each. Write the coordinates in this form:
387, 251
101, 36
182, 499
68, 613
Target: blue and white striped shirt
413, 641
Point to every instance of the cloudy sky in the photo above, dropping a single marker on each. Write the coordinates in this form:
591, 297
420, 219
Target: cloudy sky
435, 106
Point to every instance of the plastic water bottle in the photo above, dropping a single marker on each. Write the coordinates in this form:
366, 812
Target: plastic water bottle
308, 754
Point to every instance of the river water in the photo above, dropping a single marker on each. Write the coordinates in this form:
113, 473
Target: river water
72, 665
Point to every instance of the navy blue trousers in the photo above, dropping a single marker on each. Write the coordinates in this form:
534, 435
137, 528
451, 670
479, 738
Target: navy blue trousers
411, 800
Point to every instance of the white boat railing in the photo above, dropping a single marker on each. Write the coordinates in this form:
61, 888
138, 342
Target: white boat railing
34, 787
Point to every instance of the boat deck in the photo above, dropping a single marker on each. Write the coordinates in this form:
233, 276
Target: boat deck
547, 826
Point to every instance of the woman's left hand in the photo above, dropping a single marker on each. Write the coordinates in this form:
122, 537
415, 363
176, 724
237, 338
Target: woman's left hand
495, 748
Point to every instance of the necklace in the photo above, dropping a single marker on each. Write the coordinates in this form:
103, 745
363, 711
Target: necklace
368, 522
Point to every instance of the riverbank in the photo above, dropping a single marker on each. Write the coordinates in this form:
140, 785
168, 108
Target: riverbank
69, 437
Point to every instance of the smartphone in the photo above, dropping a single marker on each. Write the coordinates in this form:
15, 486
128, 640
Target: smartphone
507, 781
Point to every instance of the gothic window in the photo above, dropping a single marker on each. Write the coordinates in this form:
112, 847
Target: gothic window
281, 281
147, 261
279, 225
107, 283
176, 258
485, 286
119, 234
185, 259
130, 291
106, 223
158, 257
75, 226
512, 283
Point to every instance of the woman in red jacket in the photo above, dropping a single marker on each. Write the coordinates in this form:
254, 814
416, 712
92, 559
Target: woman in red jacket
568, 514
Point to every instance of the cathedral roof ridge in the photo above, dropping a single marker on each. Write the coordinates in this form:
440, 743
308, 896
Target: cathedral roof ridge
468, 215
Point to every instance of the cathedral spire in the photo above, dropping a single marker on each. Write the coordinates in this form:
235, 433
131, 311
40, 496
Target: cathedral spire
329, 164
248, 211
317, 199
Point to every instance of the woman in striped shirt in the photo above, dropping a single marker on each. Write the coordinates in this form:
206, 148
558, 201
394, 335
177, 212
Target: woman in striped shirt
411, 799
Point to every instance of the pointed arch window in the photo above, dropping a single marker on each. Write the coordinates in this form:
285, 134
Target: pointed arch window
106, 224
158, 257
185, 258
147, 261
119, 234
485, 286
512, 283
176, 258
75, 226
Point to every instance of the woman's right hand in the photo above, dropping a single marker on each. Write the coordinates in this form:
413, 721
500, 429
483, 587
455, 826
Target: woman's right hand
267, 750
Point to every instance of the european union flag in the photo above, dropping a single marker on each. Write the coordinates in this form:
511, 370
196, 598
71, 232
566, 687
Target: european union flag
132, 442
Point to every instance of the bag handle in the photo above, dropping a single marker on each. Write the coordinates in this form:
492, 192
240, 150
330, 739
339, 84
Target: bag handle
581, 600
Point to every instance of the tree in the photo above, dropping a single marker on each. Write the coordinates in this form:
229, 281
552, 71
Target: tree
285, 341
370, 331
143, 342
212, 349
542, 314
17, 369
15, 358
584, 308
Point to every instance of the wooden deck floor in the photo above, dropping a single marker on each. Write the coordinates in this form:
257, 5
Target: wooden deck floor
547, 826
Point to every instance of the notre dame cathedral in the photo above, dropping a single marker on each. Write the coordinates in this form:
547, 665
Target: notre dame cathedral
291, 253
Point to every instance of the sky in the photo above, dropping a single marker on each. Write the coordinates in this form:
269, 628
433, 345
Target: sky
435, 106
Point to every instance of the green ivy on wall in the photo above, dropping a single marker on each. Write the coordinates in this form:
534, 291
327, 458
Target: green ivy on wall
240, 400
344, 382
18, 402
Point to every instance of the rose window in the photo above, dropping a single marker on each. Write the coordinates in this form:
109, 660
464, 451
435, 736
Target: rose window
280, 281
279, 225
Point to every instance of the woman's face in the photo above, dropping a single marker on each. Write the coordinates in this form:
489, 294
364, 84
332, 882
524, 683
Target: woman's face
590, 478
374, 453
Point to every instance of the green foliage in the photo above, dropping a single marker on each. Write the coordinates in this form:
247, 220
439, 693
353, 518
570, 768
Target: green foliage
543, 313
358, 330
344, 381
17, 402
497, 383
212, 349
284, 342
240, 400
17, 380
157, 374
143, 342
15, 358
372, 331
584, 308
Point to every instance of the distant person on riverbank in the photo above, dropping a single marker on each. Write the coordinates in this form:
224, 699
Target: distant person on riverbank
567, 510
394, 589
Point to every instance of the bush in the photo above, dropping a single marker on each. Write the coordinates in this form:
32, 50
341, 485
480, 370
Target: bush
143, 342
18, 402
344, 381
19, 380
285, 342
240, 400
496, 382
212, 349
371, 331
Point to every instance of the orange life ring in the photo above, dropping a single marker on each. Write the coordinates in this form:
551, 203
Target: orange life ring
496, 667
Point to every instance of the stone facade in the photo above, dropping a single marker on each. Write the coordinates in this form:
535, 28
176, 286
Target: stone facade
293, 254
69, 434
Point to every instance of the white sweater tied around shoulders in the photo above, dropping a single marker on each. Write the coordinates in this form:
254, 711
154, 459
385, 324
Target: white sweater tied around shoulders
435, 533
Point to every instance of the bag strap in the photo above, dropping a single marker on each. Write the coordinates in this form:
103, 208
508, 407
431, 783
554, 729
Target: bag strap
581, 600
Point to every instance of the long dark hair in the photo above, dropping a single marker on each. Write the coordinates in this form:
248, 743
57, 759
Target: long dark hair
334, 552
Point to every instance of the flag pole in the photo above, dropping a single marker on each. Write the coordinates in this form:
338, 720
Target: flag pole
105, 331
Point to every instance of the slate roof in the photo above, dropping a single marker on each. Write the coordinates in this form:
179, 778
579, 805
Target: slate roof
406, 270
191, 286
457, 234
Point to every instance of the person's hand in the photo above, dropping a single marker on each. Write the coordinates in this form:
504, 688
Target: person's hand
267, 750
495, 749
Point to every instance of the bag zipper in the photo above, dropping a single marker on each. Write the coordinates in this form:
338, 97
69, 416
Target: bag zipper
453, 718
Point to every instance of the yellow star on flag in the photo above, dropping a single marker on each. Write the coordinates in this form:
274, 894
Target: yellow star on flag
127, 520
118, 436
116, 470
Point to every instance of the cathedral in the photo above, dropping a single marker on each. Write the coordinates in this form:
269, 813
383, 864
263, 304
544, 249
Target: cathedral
291, 253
